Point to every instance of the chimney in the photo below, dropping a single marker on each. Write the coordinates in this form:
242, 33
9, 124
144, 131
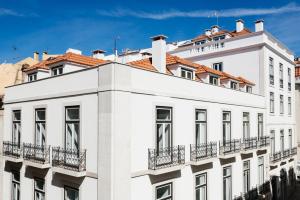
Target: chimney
98, 53
259, 25
36, 56
207, 32
239, 25
75, 51
215, 29
45, 55
159, 50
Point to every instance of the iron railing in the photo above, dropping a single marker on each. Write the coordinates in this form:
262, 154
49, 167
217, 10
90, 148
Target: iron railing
12, 149
265, 188
166, 157
285, 153
249, 143
229, 146
71, 159
36, 153
293, 151
275, 157
263, 141
203, 151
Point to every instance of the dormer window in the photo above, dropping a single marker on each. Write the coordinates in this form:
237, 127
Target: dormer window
32, 77
218, 66
213, 80
248, 89
200, 42
233, 85
186, 73
57, 70
221, 37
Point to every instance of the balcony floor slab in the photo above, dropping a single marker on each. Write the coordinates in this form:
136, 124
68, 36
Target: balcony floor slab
201, 162
37, 165
13, 159
69, 172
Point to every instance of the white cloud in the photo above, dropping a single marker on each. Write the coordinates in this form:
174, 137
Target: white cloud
236, 12
9, 12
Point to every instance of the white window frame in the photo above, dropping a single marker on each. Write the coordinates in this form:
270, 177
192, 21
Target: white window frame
246, 125
58, 70
272, 141
16, 127
272, 102
281, 100
281, 140
226, 123
281, 75
74, 144
201, 185
218, 66
170, 196
289, 105
198, 124
261, 170
225, 177
15, 194
260, 125
289, 79
271, 71
248, 88
290, 139
233, 85
246, 176
38, 191
32, 77
66, 188
167, 138
40, 128
187, 73
214, 80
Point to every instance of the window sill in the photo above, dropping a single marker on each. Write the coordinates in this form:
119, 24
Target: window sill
272, 114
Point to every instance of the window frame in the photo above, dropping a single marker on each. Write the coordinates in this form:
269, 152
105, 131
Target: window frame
186, 72
271, 71
261, 165
57, 70
224, 178
224, 122
233, 85
43, 192
246, 122
166, 122
248, 89
78, 121
32, 77
281, 140
37, 122
246, 171
289, 105
15, 182
164, 185
281, 104
289, 79
218, 66
280, 75
213, 80
201, 185
198, 122
290, 138
272, 102
260, 123
15, 122
71, 188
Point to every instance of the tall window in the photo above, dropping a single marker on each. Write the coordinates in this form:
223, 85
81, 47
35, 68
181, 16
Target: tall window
201, 127
16, 186
246, 175
16, 129
281, 104
246, 125
218, 66
272, 139
290, 139
289, 105
227, 184
40, 126
271, 102
57, 70
39, 189
271, 70
72, 123
260, 125
226, 126
289, 79
260, 170
248, 89
186, 73
282, 140
163, 127
71, 193
32, 77
164, 192
233, 85
213, 80
201, 187
281, 75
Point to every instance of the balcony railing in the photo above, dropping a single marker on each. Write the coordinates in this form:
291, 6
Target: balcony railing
203, 151
12, 149
70, 159
293, 151
263, 141
275, 157
36, 153
229, 146
265, 188
285, 153
166, 157
249, 143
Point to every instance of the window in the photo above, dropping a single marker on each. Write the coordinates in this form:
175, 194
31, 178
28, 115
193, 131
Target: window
290, 139
246, 125
221, 37
16, 131
226, 126
260, 170
218, 66
164, 192
40, 126
163, 127
271, 102
233, 85
71, 193
272, 139
282, 140
72, 123
213, 80
281, 104
248, 89
289, 105
200, 42
260, 125
32, 77
201, 127
246, 175
271, 70
201, 187
227, 184
16, 186
289, 79
57, 70
281, 75
39, 189
185, 73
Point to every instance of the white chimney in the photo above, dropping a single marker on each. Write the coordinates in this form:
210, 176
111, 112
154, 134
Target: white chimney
45, 55
99, 54
239, 25
76, 51
36, 56
215, 29
259, 25
207, 32
159, 50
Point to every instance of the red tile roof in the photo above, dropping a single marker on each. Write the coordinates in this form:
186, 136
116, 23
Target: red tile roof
245, 81
297, 71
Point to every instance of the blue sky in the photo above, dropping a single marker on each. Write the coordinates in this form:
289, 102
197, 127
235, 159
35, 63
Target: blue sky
54, 26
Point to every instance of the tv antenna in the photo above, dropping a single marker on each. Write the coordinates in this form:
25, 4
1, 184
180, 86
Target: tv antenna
115, 46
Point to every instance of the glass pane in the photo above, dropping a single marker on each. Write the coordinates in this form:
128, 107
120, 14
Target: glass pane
226, 116
201, 133
16, 176
71, 194
40, 115
163, 192
17, 115
167, 135
39, 184
72, 113
201, 115
159, 128
163, 114
246, 116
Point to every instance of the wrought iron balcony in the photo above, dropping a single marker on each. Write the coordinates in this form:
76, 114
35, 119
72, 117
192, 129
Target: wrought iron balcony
285, 153
249, 143
166, 157
12, 149
203, 151
275, 157
70, 159
293, 151
229, 146
36, 153
263, 141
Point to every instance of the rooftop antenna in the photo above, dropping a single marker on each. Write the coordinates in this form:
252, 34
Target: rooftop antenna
115, 47
217, 17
